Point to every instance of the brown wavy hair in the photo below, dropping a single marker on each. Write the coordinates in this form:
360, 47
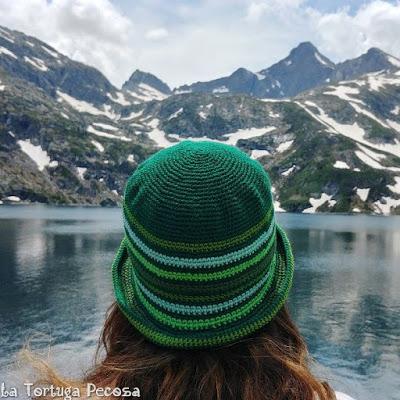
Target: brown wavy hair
272, 364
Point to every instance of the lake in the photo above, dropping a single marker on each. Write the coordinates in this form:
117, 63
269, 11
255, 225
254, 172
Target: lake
55, 286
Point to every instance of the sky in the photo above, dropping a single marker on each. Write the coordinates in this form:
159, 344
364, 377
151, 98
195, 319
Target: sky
184, 41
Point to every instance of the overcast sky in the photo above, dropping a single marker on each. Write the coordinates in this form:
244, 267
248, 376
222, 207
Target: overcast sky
183, 41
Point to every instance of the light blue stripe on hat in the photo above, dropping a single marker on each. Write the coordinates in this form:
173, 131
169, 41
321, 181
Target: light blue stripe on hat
206, 262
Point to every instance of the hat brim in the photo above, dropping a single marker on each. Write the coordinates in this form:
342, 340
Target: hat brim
166, 336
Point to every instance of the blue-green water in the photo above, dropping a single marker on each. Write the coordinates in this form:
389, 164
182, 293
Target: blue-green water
55, 280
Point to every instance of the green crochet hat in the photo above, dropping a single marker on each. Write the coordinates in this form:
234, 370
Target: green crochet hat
203, 262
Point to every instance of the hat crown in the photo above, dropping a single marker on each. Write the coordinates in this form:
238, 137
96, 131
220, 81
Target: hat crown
198, 192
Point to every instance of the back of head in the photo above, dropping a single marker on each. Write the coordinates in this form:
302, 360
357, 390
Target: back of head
201, 279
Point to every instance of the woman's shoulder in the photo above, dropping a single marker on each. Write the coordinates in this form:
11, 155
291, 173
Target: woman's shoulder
343, 396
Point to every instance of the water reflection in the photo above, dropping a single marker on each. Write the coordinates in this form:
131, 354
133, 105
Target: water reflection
346, 301
55, 279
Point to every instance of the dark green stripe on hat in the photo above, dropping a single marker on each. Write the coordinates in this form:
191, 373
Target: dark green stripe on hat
203, 262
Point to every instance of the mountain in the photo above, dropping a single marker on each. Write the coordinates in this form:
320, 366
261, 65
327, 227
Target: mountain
59, 153
63, 137
34, 61
303, 69
146, 87
334, 148
241, 81
373, 60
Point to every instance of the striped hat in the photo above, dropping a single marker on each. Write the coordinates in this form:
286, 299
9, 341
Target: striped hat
203, 262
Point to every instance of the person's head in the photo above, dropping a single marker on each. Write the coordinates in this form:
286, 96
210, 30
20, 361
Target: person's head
201, 279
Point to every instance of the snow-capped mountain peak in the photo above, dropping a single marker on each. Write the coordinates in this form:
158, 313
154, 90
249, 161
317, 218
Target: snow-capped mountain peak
146, 86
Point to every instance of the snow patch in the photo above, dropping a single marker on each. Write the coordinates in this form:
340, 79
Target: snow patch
120, 99
259, 76
277, 204
64, 115
270, 100
363, 193
53, 53
98, 146
81, 172
384, 205
105, 126
372, 154
396, 187
138, 126
284, 146
85, 107
96, 132
341, 165
36, 153
6, 35
368, 160
183, 91
320, 59
354, 131
157, 135
344, 92
234, 137
371, 158
131, 158
289, 171
394, 125
37, 63
288, 62
202, 115
315, 203
7, 52
396, 110
175, 114
145, 93
369, 114
132, 115
274, 115
376, 82
15, 199
394, 61
221, 89
259, 153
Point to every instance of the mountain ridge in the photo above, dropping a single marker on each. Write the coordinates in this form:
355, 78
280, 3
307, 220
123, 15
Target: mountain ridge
303, 69
333, 148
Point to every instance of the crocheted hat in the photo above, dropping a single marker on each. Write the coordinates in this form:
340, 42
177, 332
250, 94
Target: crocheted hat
203, 262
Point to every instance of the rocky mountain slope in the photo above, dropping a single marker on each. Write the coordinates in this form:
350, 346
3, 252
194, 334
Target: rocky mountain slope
334, 148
